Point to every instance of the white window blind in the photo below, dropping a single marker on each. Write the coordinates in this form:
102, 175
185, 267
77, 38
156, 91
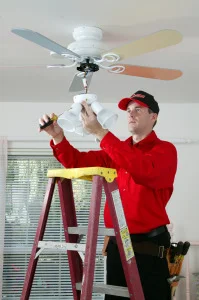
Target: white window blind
25, 190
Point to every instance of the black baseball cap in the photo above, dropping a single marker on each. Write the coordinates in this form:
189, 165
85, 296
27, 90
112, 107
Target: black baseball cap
143, 99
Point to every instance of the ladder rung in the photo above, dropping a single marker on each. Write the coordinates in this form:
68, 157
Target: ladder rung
83, 230
107, 289
63, 246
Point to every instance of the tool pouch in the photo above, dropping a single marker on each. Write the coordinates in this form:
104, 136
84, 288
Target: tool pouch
175, 257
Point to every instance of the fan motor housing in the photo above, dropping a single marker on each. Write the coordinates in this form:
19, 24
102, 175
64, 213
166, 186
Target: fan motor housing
88, 42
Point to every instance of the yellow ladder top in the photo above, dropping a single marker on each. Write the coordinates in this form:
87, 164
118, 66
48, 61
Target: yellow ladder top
84, 173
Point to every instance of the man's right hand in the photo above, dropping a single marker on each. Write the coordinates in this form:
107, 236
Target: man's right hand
54, 130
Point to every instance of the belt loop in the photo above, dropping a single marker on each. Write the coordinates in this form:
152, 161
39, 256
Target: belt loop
161, 252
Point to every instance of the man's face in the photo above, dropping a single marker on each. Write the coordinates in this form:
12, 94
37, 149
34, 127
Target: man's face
140, 121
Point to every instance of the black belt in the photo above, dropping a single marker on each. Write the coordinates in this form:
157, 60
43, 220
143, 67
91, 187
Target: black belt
148, 247
153, 232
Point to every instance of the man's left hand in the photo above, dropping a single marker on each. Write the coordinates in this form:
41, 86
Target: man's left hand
90, 122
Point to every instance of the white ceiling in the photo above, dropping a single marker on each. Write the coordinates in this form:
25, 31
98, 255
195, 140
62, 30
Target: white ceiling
122, 22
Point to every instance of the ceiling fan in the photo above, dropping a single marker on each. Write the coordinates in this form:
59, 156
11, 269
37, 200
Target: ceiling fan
88, 55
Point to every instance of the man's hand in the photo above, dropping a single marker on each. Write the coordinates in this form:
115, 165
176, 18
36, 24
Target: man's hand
54, 130
104, 249
90, 122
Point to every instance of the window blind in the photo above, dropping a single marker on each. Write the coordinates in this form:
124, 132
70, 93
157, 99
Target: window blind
25, 190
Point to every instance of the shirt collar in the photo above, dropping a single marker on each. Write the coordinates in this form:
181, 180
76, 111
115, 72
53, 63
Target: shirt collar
150, 138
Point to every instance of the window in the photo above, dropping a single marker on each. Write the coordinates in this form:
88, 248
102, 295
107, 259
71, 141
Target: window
26, 185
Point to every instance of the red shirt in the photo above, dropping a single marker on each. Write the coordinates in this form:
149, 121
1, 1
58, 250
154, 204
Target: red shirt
146, 172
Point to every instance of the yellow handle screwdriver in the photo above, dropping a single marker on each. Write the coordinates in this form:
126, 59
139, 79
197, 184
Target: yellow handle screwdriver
51, 120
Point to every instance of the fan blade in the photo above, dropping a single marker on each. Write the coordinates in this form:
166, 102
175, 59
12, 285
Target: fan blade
22, 66
155, 41
77, 83
153, 73
61, 66
42, 41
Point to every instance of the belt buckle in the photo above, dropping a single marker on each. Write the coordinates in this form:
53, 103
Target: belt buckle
161, 252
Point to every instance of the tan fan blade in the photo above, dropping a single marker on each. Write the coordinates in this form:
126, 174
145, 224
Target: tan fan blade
155, 41
154, 73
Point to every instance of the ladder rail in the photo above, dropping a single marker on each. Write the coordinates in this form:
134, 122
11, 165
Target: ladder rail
69, 220
124, 242
39, 236
92, 234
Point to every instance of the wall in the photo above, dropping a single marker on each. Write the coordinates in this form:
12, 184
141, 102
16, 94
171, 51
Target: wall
177, 123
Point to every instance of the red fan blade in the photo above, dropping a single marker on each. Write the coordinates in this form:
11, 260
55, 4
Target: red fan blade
153, 73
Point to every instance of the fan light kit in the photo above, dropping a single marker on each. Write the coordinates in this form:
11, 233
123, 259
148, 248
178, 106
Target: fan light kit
88, 55
71, 120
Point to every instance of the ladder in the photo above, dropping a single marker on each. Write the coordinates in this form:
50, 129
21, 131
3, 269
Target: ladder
82, 273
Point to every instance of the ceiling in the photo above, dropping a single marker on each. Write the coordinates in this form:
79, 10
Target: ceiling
25, 78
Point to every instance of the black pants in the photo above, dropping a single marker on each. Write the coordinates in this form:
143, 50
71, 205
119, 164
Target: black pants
153, 270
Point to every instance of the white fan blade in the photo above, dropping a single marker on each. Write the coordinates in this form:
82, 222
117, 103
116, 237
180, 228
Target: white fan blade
155, 41
61, 66
77, 83
42, 41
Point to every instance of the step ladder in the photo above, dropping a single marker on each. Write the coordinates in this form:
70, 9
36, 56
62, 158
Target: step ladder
82, 273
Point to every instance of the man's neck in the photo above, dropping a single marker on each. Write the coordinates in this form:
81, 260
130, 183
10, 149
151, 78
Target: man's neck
139, 137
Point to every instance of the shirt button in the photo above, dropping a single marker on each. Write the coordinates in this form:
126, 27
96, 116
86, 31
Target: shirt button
124, 190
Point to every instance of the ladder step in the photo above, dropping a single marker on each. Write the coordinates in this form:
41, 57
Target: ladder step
83, 230
63, 246
107, 289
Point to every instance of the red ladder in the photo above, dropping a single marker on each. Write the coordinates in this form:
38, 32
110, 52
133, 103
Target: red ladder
82, 274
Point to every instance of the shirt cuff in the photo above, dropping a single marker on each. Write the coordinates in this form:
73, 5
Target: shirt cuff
59, 148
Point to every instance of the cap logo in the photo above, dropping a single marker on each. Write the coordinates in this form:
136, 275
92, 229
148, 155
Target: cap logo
137, 95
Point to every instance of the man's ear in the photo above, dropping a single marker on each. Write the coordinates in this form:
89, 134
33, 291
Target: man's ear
154, 116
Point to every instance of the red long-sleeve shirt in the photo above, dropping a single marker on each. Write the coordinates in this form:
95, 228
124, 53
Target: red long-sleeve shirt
146, 172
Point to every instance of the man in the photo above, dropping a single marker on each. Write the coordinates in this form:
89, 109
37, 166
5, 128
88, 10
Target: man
146, 167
